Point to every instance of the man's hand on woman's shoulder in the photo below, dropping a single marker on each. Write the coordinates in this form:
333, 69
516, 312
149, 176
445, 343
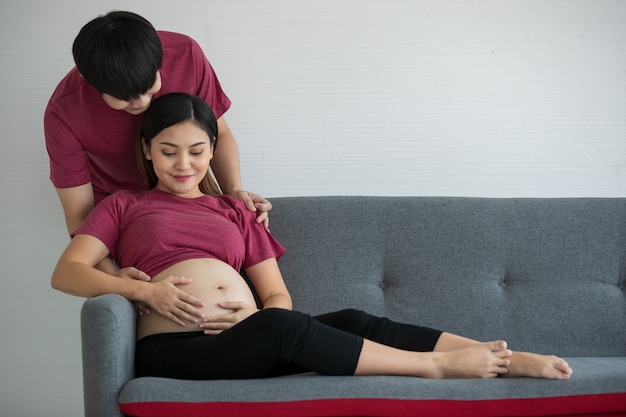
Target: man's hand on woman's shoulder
255, 202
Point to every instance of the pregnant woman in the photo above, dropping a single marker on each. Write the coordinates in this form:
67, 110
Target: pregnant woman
204, 322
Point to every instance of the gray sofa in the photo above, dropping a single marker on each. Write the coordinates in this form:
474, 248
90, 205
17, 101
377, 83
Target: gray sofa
547, 275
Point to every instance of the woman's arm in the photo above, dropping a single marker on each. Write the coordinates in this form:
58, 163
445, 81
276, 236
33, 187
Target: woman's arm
77, 203
269, 284
76, 274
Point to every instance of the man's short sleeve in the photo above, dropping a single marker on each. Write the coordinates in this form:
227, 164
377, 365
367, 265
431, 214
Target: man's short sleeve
69, 165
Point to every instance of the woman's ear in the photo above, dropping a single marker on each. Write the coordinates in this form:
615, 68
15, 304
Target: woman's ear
146, 150
212, 147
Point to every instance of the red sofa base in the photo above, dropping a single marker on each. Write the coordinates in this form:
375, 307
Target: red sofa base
579, 405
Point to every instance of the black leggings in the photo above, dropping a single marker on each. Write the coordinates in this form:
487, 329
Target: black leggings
276, 342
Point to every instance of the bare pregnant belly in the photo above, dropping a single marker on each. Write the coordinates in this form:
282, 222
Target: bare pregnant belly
213, 282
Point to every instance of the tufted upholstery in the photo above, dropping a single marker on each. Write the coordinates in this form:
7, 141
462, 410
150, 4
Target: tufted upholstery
546, 275
542, 273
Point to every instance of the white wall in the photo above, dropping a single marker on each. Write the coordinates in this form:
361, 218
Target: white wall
469, 98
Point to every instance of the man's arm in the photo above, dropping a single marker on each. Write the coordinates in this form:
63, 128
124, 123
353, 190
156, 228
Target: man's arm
225, 163
77, 202
226, 167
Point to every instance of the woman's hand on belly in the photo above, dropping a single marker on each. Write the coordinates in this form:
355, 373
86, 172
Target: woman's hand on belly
173, 303
213, 325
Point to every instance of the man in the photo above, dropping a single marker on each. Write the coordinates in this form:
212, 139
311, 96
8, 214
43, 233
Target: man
92, 118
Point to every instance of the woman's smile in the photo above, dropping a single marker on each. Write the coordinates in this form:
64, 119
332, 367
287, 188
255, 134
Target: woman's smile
183, 178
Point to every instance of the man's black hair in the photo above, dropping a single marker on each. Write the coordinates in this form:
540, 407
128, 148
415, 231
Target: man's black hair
119, 54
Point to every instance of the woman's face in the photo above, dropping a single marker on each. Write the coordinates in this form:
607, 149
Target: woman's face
180, 155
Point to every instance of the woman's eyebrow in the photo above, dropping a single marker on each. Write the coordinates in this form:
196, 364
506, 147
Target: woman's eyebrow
176, 146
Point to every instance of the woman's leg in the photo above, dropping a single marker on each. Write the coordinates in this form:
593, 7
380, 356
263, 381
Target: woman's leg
389, 348
423, 339
256, 346
404, 349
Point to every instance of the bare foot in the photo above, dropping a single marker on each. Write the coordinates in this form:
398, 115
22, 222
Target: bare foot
483, 360
538, 366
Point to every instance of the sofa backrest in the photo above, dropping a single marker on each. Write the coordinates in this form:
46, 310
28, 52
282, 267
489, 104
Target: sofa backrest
547, 275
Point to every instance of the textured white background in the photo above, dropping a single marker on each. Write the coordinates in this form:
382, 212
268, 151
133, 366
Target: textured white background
502, 98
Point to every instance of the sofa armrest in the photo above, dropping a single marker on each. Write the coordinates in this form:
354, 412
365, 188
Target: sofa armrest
108, 326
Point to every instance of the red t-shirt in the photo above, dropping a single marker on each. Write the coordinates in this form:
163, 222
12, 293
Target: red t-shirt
152, 230
87, 141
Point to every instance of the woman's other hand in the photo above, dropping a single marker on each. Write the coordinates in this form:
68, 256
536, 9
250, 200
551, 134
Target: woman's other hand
240, 311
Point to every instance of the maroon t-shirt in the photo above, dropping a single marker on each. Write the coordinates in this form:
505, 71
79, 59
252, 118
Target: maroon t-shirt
87, 141
152, 230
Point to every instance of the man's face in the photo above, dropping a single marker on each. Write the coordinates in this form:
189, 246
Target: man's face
137, 105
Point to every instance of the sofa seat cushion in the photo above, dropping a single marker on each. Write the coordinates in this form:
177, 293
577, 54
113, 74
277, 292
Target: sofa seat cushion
598, 386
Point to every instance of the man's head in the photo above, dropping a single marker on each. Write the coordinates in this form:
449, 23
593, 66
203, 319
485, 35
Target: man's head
120, 55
